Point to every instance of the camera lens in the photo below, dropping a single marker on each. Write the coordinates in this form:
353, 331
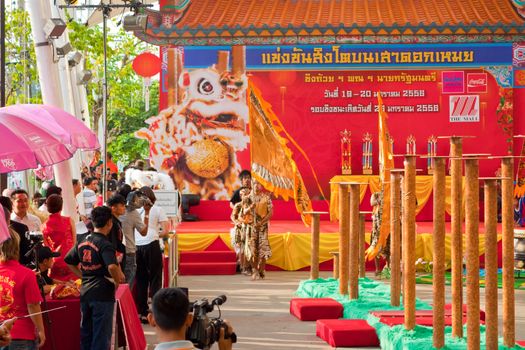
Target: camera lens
221, 299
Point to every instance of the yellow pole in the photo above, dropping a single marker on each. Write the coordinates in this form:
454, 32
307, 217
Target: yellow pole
409, 242
314, 243
456, 151
354, 241
509, 322
472, 254
491, 264
439, 253
395, 239
344, 236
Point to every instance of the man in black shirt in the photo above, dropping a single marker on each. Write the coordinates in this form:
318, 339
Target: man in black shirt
45, 262
246, 182
117, 204
101, 276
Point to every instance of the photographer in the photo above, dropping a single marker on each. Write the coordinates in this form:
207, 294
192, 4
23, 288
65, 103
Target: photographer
171, 318
149, 254
132, 221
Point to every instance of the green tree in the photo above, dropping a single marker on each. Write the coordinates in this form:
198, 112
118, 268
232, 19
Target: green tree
126, 107
21, 73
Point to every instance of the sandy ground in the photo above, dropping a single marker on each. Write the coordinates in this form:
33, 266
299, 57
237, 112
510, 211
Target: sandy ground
259, 310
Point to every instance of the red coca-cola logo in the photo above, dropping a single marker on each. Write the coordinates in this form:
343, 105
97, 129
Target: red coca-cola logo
477, 82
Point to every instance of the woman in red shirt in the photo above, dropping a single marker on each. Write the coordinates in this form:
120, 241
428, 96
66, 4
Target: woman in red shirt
19, 296
60, 236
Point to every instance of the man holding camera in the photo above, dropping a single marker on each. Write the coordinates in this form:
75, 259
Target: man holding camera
171, 319
132, 221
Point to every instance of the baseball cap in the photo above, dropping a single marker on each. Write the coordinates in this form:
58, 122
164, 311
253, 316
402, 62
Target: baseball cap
46, 253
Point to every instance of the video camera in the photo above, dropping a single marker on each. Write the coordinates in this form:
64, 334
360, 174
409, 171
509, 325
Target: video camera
205, 331
137, 199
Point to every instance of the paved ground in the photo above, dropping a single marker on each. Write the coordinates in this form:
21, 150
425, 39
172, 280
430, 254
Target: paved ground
259, 311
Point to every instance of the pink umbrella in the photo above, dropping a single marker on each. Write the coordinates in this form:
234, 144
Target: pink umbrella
32, 135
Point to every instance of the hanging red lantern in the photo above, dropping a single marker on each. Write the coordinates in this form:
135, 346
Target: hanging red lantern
146, 65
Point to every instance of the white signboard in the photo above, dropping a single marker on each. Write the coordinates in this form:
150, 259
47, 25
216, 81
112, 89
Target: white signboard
464, 108
169, 201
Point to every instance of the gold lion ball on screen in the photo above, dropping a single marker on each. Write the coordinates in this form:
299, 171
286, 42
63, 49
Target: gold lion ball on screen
208, 158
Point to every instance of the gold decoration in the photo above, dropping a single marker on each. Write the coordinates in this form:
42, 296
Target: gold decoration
208, 158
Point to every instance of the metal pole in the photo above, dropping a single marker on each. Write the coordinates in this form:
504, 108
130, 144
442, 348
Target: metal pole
105, 11
3, 177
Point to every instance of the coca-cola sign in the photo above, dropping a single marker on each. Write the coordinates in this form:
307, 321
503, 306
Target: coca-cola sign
477, 82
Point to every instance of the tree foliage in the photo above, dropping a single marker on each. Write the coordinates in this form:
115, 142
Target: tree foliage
126, 108
21, 72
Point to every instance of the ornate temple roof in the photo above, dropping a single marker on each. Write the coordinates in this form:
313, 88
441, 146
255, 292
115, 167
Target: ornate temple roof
204, 22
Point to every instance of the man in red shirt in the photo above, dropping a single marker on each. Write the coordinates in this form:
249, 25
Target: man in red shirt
19, 296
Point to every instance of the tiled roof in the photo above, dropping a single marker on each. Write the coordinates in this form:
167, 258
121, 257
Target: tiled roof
293, 18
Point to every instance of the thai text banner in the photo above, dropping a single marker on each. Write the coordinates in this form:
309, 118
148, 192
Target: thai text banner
359, 56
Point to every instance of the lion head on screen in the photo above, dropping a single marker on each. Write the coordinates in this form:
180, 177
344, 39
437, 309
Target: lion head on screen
196, 141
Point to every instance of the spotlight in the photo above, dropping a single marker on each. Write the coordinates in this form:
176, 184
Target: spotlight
64, 49
84, 76
74, 58
135, 23
54, 28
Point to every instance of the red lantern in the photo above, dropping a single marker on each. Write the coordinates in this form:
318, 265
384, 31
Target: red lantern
146, 64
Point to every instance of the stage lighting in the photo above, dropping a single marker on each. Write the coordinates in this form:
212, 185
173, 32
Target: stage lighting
64, 49
84, 76
74, 58
135, 22
54, 28
189, 200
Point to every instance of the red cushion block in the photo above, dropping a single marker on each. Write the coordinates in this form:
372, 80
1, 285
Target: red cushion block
311, 309
521, 343
347, 333
448, 308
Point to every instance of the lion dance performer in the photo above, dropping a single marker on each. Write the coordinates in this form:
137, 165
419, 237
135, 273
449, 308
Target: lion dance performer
257, 248
242, 217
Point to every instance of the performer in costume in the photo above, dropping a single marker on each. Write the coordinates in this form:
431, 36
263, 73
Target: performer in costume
242, 217
376, 201
258, 247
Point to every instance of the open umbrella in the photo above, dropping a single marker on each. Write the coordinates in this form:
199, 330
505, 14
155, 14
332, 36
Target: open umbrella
33, 135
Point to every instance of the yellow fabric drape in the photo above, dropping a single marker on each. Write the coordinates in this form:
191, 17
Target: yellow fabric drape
334, 191
291, 251
423, 190
448, 198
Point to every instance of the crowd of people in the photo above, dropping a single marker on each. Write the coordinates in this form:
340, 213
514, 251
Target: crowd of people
115, 242
251, 212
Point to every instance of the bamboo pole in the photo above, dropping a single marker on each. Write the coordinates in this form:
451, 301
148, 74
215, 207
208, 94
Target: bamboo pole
409, 242
438, 236
491, 264
314, 243
507, 171
395, 239
344, 236
456, 151
472, 253
355, 229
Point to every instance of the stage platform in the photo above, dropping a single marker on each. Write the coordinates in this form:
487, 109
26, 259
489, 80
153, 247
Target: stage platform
290, 241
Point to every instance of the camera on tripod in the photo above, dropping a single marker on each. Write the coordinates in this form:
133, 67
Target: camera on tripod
137, 199
205, 331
